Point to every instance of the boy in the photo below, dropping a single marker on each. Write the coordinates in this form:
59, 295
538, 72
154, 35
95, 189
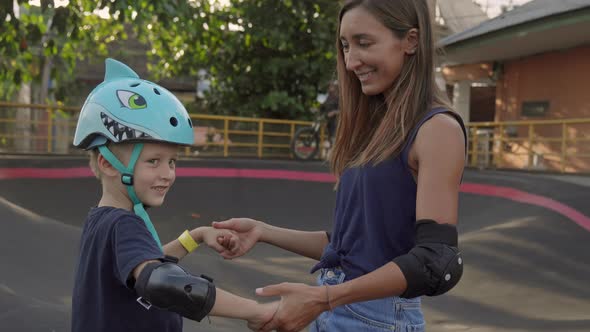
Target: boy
126, 280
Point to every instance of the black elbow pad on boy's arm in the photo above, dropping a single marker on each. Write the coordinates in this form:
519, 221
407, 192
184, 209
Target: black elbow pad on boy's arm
167, 286
434, 265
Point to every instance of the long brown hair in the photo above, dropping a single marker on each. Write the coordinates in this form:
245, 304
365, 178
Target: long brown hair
372, 129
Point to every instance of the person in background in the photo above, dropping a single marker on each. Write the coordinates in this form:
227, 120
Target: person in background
330, 109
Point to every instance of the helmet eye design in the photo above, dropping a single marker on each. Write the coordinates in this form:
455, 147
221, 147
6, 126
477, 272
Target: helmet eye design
131, 100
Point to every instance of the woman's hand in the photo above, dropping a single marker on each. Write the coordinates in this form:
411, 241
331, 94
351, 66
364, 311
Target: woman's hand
246, 232
300, 305
221, 240
266, 312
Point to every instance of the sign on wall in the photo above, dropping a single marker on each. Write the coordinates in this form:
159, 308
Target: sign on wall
534, 108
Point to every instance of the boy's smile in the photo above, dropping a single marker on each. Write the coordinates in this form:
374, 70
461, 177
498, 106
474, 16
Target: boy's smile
155, 172
161, 189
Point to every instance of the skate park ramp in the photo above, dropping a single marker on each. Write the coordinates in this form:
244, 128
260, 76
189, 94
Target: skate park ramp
525, 239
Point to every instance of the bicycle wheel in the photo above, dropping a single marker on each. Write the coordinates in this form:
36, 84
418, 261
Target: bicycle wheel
305, 144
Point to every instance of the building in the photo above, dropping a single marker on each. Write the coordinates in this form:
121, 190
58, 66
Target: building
531, 63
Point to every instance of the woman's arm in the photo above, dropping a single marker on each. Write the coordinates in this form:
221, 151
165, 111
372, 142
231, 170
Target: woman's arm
308, 244
439, 152
250, 231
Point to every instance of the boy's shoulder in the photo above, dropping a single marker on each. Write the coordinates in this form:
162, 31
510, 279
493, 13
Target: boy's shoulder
107, 216
114, 224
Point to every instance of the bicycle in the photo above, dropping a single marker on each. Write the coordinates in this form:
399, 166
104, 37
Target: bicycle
306, 141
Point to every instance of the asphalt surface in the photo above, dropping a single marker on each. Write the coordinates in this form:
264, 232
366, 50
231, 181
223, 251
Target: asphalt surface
527, 266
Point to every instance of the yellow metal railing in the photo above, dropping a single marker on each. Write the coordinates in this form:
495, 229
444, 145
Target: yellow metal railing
552, 145
242, 136
549, 145
33, 127
30, 128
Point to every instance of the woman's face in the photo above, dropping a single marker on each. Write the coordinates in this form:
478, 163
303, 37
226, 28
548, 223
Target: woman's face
371, 50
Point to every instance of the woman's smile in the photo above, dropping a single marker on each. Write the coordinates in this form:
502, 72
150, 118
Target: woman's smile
365, 75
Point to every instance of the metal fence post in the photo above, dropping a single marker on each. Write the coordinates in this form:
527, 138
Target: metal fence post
260, 137
474, 151
225, 137
531, 134
49, 129
500, 147
563, 146
291, 139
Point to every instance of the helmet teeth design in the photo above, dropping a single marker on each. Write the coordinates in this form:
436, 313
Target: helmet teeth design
120, 131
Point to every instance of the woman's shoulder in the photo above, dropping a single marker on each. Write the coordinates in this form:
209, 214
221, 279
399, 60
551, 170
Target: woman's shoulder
441, 132
445, 120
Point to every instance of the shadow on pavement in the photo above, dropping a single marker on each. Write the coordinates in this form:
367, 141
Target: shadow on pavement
527, 268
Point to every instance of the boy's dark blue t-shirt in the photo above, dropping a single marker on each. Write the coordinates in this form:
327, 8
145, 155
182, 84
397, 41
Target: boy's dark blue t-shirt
114, 241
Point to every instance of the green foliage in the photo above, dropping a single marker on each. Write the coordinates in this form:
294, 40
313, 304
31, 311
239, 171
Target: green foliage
62, 34
264, 58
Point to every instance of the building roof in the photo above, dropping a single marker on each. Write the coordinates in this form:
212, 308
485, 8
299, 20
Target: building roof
531, 11
537, 27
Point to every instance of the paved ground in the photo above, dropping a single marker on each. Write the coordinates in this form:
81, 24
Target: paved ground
527, 266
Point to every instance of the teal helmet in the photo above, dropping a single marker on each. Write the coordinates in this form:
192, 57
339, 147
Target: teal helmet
125, 107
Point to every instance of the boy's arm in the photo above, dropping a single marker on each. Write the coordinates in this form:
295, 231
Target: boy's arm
234, 306
203, 297
176, 249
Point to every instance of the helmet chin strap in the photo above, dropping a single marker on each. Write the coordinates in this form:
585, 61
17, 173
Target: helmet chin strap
127, 180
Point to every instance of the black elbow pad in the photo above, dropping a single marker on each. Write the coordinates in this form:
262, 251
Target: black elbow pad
434, 266
168, 286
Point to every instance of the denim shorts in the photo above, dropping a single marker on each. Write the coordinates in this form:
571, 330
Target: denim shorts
385, 314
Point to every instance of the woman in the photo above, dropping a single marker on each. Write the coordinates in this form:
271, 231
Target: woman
398, 157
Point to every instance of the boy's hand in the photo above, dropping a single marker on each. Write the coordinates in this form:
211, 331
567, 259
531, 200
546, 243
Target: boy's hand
266, 312
248, 233
221, 240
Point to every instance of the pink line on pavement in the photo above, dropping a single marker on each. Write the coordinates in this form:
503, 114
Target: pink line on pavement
81, 172
528, 198
469, 188
45, 173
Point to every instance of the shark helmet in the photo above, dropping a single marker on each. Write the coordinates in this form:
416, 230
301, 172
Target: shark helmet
127, 108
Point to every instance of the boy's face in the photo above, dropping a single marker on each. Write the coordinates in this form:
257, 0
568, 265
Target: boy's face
155, 172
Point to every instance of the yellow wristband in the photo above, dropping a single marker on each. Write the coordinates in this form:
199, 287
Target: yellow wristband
188, 242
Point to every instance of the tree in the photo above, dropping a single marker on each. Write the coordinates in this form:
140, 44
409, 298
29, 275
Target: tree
44, 43
264, 58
